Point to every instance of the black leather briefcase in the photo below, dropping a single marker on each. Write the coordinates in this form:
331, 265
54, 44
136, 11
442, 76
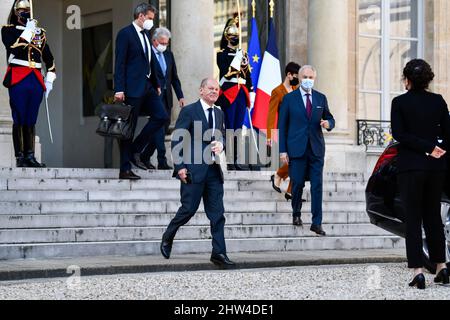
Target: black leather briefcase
116, 121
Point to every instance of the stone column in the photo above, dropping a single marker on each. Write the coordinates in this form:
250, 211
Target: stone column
192, 45
437, 37
6, 148
329, 50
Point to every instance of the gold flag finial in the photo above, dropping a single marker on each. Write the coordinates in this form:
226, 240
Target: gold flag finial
272, 7
254, 8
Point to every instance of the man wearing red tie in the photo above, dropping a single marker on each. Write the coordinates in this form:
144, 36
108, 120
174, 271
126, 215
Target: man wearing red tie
304, 114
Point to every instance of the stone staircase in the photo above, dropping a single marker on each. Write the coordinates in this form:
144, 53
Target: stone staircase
55, 213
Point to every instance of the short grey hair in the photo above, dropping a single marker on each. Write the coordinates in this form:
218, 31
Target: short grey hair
162, 32
308, 67
205, 82
144, 8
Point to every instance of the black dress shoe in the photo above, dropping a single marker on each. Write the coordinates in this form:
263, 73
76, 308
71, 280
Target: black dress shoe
442, 277
166, 248
128, 175
222, 261
419, 282
137, 162
277, 189
149, 165
318, 230
297, 222
164, 166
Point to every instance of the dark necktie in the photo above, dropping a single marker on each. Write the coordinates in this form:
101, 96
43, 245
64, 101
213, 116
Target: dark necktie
211, 127
145, 46
308, 106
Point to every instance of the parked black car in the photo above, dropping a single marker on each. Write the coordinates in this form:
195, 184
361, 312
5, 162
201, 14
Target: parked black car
385, 208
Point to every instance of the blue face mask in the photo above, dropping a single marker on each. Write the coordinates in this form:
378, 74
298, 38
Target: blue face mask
307, 84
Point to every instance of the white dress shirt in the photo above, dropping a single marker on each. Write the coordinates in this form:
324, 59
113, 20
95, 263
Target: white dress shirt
147, 43
304, 93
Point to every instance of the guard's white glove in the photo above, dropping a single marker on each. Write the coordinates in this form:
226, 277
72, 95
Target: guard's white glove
49, 79
252, 100
30, 30
237, 61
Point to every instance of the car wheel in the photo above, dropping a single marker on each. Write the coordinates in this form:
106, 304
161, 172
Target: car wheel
445, 213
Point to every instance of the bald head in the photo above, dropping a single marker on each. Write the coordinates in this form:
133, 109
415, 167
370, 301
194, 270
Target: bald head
209, 91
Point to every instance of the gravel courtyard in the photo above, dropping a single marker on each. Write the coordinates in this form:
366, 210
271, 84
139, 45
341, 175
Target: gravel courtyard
349, 282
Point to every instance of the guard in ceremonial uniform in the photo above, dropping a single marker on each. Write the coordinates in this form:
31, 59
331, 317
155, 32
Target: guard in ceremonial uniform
235, 83
27, 51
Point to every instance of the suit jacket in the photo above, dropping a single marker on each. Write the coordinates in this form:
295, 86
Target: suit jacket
132, 66
170, 79
276, 99
419, 120
296, 130
191, 149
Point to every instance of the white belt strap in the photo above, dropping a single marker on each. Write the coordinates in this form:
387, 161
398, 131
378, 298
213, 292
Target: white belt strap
26, 63
234, 80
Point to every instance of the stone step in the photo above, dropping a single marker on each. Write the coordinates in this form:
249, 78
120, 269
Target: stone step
328, 186
54, 173
80, 220
124, 185
141, 248
28, 236
68, 207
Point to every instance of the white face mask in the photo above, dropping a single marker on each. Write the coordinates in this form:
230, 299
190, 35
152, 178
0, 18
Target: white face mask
161, 48
307, 84
148, 24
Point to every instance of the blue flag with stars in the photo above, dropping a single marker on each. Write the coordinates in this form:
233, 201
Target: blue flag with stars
254, 55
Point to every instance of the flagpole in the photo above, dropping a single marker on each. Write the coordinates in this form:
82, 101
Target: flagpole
31, 9
254, 8
240, 24
272, 8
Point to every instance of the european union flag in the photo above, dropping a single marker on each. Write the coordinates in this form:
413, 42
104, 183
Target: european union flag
254, 54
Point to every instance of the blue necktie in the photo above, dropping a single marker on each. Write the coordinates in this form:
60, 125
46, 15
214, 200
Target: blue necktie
162, 63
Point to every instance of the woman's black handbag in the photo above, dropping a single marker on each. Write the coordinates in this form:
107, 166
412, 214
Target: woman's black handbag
116, 121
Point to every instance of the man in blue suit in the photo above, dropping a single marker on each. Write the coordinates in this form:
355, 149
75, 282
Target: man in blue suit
304, 114
197, 141
167, 74
135, 82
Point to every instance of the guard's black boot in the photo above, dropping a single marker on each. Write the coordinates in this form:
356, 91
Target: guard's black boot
29, 133
17, 135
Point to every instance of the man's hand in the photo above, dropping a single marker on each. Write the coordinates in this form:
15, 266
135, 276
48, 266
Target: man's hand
284, 158
119, 97
217, 147
159, 91
183, 175
31, 25
182, 102
438, 153
325, 124
269, 142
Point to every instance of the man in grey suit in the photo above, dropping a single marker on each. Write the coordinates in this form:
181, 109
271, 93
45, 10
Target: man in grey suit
197, 142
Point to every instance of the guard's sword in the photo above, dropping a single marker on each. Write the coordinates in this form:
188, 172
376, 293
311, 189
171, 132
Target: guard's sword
48, 118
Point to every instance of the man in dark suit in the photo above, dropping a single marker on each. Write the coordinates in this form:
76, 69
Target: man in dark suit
197, 142
167, 74
135, 81
304, 113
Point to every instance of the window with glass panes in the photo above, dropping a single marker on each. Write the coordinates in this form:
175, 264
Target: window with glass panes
390, 35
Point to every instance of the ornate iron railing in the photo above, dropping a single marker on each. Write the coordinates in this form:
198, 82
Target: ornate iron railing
374, 134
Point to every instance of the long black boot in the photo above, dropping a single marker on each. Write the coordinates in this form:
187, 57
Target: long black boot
19, 148
29, 133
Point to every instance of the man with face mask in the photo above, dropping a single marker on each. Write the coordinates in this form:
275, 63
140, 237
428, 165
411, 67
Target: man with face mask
27, 52
135, 82
290, 84
167, 74
304, 114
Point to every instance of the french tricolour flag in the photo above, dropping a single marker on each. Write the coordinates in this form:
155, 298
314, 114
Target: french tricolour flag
269, 79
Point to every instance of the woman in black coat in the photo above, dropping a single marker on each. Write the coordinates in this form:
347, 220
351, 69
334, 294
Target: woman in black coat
421, 123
